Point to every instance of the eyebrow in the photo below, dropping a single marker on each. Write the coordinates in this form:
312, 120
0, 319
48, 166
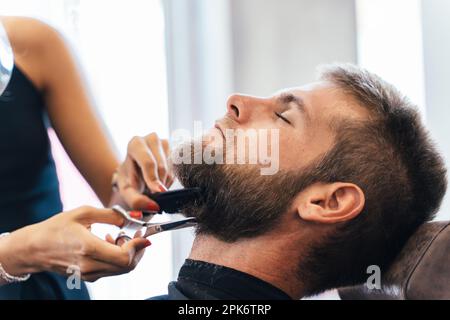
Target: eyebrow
287, 98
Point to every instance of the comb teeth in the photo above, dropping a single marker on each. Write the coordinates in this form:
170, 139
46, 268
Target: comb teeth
174, 201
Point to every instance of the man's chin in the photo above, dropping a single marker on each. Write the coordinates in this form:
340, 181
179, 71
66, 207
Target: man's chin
214, 138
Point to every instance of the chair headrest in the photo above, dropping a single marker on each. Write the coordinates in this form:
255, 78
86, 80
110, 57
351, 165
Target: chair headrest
420, 271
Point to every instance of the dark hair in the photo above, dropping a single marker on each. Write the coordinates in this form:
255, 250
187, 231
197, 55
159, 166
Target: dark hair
392, 159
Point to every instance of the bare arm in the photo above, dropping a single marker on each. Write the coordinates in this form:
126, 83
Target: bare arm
72, 114
42, 53
46, 59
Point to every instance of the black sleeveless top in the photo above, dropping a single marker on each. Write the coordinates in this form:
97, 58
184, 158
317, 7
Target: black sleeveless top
29, 188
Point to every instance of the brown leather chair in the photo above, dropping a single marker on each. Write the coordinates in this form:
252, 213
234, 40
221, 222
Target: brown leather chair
421, 271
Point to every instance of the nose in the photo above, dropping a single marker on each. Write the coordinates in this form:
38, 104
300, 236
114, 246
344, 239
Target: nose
241, 107
234, 106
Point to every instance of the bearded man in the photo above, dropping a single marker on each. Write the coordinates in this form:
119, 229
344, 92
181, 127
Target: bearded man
357, 176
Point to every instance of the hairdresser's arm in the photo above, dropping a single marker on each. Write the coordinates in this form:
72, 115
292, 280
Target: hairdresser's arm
44, 56
71, 111
65, 240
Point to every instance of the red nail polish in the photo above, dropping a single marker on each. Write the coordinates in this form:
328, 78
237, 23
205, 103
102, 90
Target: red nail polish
152, 206
148, 243
162, 188
136, 214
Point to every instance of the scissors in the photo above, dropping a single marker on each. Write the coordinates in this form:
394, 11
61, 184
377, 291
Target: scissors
170, 202
132, 225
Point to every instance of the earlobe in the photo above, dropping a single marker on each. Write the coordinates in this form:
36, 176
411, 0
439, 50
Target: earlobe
330, 203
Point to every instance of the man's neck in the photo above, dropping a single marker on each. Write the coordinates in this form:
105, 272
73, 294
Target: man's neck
269, 258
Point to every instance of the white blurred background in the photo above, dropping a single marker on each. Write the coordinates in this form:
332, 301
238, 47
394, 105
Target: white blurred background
158, 65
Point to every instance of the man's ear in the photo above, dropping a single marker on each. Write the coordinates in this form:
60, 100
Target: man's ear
330, 203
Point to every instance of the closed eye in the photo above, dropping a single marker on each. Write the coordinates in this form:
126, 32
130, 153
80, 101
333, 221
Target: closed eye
279, 115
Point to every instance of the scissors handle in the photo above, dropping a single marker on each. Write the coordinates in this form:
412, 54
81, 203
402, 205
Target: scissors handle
122, 237
134, 225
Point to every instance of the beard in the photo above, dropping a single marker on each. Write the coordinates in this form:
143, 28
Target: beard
237, 201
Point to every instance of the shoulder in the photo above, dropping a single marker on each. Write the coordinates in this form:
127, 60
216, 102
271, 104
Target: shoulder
37, 47
160, 298
31, 34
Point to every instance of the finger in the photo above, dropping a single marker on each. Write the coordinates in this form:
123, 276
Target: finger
105, 252
170, 174
131, 195
132, 173
109, 238
166, 147
89, 216
138, 256
170, 181
122, 238
142, 155
139, 253
93, 270
108, 253
92, 267
155, 145
135, 245
92, 277
103, 270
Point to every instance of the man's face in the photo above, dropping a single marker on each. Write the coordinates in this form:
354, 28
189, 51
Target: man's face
238, 200
302, 116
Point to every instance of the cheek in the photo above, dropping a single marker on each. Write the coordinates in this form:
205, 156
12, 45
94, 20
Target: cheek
292, 151
297, 149
302, 148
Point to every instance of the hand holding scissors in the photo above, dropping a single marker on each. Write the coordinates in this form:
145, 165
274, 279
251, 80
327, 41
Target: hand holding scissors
137, 220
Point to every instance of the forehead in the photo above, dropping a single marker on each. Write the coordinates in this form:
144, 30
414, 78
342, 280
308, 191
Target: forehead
323, 100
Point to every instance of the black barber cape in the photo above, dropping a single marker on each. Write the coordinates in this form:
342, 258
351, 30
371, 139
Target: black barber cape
200, 280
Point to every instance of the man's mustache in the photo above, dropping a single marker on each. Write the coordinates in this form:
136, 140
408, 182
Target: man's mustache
226, 122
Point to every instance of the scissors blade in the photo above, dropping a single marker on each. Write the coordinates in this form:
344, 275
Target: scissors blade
169, 226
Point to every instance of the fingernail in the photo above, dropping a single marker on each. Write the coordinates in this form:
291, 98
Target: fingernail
136, 214
153, 206
162, 187
148, 243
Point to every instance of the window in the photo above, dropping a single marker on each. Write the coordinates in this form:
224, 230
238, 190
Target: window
391, 46
392, 43
120, 44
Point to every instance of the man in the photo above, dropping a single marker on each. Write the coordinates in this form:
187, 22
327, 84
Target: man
357, 175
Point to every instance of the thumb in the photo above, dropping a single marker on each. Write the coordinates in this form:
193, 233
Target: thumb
137, 201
